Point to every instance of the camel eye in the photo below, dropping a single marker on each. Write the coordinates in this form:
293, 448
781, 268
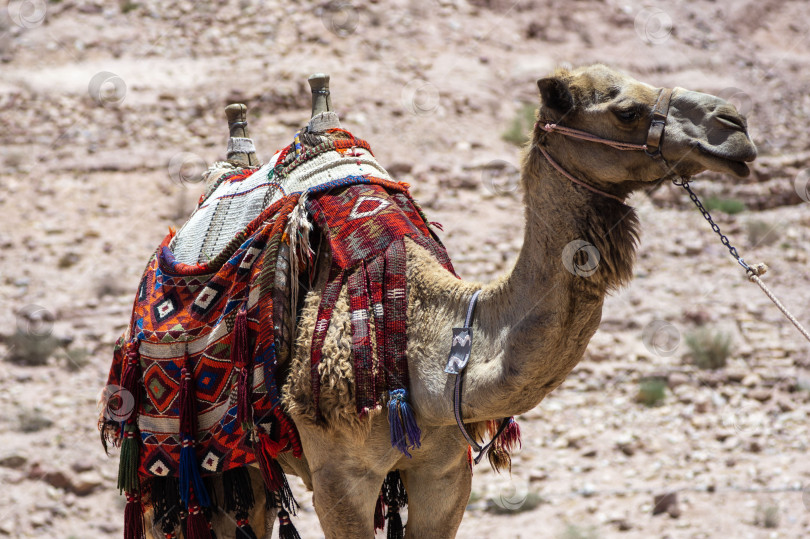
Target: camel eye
627, 115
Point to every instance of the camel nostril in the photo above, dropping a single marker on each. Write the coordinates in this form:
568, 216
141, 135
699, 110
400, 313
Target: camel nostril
734, 122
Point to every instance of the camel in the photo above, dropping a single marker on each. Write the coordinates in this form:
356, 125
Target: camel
531, 326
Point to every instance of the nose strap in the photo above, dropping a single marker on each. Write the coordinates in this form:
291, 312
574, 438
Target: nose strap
659, 120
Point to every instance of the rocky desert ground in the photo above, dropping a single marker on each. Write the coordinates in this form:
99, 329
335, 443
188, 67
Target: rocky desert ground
687, 418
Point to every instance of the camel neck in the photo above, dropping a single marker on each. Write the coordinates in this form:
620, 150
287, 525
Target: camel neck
577, 246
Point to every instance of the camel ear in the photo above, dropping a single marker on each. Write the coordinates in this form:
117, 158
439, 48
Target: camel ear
555, 94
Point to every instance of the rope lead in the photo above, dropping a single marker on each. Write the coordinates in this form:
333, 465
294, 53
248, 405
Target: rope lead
754, 271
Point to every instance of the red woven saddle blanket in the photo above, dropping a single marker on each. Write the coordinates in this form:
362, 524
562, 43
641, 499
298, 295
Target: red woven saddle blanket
199, 362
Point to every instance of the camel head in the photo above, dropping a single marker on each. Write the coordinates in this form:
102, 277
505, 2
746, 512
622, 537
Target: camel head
702, 132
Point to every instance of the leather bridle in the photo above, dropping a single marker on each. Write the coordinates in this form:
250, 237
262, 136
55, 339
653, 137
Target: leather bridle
652, 147
462, 337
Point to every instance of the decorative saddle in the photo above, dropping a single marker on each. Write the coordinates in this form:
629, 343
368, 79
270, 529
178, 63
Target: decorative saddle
193, 390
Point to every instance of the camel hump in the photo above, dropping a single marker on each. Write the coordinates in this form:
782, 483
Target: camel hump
241, 150
324, 116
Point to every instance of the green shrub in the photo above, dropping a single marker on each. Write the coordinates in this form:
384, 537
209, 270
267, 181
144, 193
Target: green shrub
31, 349
730, 206
126, 6
709, 348
521, 126
767, 515
33, 420
507, 507
651, 392
577, 532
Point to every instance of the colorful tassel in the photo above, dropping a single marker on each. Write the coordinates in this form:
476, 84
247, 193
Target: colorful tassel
190, 477
379, 514
165, 496
238, 491
197, 526
395, 528
405, 433
394, 496
499, 458
133, 517
239, 498
183, 519
242, 359
207, 513
393, 490
128, 460
510, 437
274, 479
243, 527
286, 530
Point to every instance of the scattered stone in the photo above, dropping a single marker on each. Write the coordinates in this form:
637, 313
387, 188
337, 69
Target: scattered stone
13, 461
537, 475
676, 379
785, 404
108, 528
754, 446
85, 483
57, 479
666, 503
589, 452
722, 435
575, 437
735, 376
622, 524
40, 519
8, 527
628, 447
751, 380
80, 466
760, 394
399, 167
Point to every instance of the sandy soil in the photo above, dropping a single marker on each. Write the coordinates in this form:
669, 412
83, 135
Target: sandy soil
108, 108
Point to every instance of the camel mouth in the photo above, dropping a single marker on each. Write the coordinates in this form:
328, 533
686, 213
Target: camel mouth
724, 163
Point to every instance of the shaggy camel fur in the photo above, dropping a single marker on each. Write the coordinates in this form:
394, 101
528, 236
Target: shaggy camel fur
531, 326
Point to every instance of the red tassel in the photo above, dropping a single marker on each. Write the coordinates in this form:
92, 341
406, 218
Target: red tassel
266, 455
132, 378
510, 437
133, 517
196, 524
379, 514
241, 358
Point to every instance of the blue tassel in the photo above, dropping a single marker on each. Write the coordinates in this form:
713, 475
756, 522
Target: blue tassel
190, 477
405, 433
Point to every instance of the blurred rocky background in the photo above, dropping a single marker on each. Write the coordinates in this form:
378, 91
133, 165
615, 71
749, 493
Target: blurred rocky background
688, 416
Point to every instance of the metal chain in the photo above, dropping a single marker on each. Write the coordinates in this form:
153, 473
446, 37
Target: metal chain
753, 273
684, 182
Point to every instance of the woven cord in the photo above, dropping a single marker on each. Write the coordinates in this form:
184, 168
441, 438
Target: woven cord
565, 173
584, 135
755, 278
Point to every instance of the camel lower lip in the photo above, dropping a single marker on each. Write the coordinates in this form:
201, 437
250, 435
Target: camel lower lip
738, 168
